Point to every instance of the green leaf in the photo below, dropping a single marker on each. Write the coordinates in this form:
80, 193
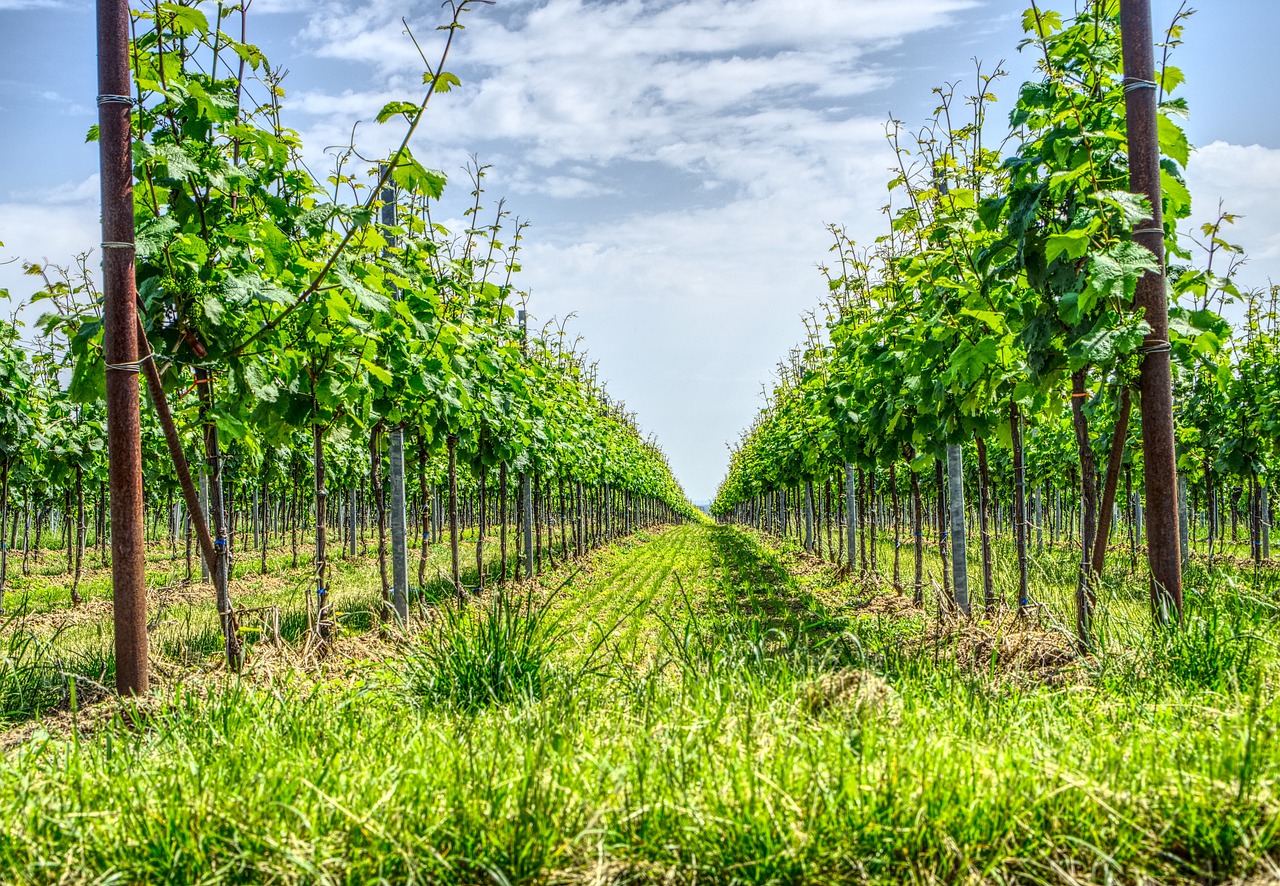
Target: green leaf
214, 106
377, 372
412, 176
970, 361
365, 297
275, 248
1173, 141
251, 54
336, 308
392, 109
186, 19
231, 426
88, 379
1072, 306
1176, 196
154, 233
1134, 208
178, 165
1034, 22
996, 322
444, 81
1171, 78
1074, 244
213, 309
1110, 337
260, 383
1115, 273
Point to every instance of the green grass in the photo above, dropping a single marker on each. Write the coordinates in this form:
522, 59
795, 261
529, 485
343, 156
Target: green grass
183, 622
652, 719
37, 674
491, 653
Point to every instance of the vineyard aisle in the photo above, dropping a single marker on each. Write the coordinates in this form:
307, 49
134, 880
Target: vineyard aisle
694, 703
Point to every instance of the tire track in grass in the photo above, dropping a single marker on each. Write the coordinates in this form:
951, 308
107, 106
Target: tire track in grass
581, 609
631, 582
714, 576
630, 596
620, 599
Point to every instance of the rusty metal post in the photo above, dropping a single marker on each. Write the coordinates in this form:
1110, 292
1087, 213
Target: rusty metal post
197, 502
1155, 381
120, 350
1111, 484
324, 623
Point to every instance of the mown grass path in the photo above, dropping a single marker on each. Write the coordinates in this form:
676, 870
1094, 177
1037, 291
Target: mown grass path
650, 592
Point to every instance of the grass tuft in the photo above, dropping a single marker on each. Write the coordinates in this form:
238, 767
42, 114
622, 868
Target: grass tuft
481, 655
35, 676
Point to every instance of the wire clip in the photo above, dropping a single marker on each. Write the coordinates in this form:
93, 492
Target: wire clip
1133, 85
135, 366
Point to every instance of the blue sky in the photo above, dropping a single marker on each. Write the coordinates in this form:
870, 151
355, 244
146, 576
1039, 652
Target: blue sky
679, 159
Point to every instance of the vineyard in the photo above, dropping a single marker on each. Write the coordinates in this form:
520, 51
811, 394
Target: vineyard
1003, 314
322, 561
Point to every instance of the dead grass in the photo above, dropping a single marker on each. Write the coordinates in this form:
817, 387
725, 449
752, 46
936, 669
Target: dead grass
57, 620
803, 563
96, 706
159, 601
1007, 645
619, 872
1266, 874
851, 693
344, 661
888, 604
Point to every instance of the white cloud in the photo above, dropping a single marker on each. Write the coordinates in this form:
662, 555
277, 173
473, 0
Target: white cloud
1246, 179
44, 233
690, 309
562, 186
83, 194
60, 103
50, 226
578, 81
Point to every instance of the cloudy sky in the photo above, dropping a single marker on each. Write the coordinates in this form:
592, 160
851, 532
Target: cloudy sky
678, 159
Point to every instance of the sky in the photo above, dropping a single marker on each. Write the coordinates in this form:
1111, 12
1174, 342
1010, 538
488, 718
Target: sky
678, 160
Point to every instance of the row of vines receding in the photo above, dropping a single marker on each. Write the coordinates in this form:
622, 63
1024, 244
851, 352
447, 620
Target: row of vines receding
989, 341
296, 331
